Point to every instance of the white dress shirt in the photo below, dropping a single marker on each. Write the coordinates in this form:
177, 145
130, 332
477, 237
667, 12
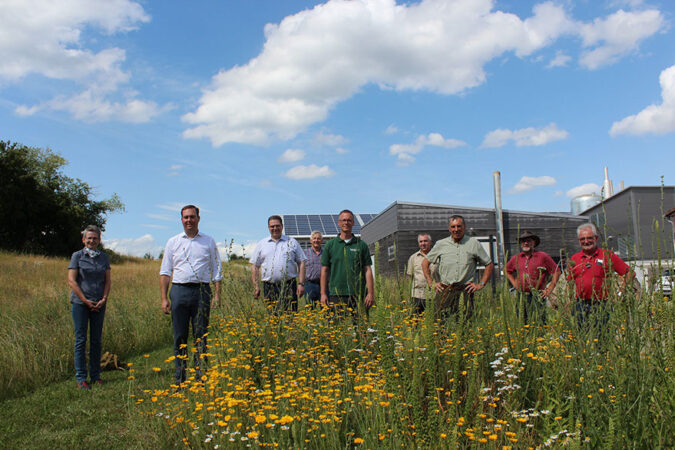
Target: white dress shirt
279, 259
191, 260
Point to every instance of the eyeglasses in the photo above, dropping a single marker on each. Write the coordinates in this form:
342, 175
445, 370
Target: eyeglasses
587, 239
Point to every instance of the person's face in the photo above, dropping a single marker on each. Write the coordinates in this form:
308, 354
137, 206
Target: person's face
316, 242
457, 228
527, 244
190, 221
276, 228
346, 222
424, 243
91, 240
587, 240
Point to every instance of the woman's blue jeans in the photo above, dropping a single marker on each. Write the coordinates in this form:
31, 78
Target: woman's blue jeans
84, 318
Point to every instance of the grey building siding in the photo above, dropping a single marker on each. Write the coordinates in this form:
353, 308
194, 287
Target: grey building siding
628, 221
400, 223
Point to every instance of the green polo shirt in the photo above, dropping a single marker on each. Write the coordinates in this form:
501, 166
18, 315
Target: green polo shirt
457, 261
346, 262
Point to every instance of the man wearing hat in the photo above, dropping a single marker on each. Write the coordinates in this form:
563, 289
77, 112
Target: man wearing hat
528, 272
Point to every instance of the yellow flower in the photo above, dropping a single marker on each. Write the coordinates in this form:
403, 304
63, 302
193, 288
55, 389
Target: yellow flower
260, 419
156, 369
358, 441
443, 435
146, 356
252, 434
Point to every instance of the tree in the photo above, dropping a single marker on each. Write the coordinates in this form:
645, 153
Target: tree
44, 210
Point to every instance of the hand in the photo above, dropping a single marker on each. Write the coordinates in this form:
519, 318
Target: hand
301, 290
99, 304
256, 292
473, 287
324, 300
166, 306
546, 293
369, 301
89, 304
439, 287
216, 301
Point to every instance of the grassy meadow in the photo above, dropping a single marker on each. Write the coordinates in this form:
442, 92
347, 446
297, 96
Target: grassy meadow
313, 381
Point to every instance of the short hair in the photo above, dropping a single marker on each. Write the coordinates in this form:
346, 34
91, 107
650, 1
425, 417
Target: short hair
189, 207
346, 211
590, 225
423, 234
92, 229
455, 217
275, 217
314, 233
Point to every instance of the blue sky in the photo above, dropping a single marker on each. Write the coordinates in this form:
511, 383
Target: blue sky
252, 108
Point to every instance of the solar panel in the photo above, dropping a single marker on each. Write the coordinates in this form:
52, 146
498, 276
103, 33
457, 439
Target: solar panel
304, 224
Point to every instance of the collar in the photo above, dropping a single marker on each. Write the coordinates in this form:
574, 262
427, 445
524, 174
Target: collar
461, 241
282, 238
522, 254
352, 239
595, 254
184, 235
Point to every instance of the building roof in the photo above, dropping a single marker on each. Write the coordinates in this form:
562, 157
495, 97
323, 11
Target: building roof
302, 225
626, 191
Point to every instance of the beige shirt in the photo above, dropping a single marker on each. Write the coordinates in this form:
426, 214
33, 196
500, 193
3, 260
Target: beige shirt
414, 268
458, 260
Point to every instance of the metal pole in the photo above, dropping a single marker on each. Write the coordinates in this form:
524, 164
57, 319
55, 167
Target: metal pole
499, 221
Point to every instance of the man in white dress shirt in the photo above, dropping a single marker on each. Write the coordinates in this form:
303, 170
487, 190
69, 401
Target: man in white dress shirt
280, 263
192, 259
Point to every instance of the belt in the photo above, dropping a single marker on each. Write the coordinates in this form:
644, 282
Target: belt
192, 285
278, 283
455, 287
317, 281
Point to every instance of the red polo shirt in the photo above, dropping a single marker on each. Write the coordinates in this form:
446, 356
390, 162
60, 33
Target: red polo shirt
589, 273
531, 271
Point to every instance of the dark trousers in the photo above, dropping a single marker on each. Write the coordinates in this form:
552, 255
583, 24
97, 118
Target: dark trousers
592, 314
446, 302
312, 292
418, 305
281, 296
190, 303
533, 307
84, 318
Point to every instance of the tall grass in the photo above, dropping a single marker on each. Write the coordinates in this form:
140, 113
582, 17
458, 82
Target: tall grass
36, 325
310, 380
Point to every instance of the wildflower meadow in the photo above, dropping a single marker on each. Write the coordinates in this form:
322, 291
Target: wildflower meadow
311, 380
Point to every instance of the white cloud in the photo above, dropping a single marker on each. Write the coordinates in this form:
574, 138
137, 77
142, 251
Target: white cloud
316, 58
560, 60
291, 155
134, 246
391, 129
524, 137
308, 172
405, 152
173, 207
528, 183
341, 151
589, 188
329, 140
45, 38
657, 119
617, 35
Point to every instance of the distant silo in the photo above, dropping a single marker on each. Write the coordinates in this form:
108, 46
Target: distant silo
581, 203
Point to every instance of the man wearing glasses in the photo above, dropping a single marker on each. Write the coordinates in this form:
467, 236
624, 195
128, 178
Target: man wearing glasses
590, 269
280, 262
345, 262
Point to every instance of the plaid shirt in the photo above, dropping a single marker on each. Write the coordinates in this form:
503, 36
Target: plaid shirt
313, 265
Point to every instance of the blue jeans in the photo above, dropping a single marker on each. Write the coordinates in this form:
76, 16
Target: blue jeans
190, 303
281, 296
84, 318
312, 293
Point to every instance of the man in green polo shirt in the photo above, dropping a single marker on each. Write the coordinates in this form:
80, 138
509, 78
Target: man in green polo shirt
345, 261
457, 257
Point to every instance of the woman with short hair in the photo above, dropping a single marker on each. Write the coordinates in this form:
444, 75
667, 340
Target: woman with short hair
89, 279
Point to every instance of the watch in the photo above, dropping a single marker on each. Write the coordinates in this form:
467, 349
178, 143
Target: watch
301, 284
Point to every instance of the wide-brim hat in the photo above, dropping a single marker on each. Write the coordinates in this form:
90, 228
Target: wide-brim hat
528, 234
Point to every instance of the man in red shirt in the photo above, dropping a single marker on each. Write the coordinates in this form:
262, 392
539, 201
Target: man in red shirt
590, 269
528, 272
